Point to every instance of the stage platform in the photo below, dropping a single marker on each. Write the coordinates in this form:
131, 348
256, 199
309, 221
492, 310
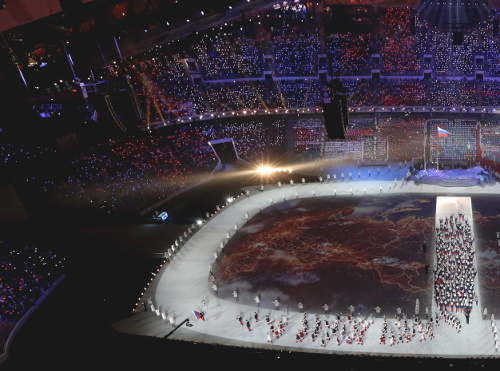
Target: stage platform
475, 176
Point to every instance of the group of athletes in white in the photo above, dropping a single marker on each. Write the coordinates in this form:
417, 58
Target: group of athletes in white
455, 272
320, 329
351, 329
403, 330
323, 330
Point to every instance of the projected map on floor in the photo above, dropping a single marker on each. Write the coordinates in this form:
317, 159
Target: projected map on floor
365, 252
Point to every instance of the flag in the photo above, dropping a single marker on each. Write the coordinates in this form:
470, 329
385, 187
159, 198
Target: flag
197, 314
443, 133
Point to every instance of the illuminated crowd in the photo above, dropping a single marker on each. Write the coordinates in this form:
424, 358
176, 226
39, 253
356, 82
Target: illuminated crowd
135, 172
226, 68
27, 271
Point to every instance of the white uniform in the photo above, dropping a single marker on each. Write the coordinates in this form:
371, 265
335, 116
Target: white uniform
269, 337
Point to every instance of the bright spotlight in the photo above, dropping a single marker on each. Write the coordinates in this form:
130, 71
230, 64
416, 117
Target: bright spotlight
265, 170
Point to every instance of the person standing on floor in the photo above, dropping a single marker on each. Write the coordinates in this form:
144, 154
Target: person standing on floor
235, 294
276, 304
301, 307
257, 300
284, 318
298, 338
325, 307
269, 337
240, 319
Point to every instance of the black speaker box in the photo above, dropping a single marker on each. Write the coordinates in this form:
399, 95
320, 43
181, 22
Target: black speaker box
458, 38
336, 116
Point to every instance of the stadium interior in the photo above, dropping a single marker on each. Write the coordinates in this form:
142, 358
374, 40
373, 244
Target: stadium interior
114, 112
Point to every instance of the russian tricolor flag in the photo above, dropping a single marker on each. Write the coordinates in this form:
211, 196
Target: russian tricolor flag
443, 133
197, 314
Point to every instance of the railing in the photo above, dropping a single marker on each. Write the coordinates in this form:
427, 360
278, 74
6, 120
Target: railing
316, 110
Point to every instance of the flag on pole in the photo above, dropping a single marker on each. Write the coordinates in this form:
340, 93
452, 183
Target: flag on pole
197, 314
443, 133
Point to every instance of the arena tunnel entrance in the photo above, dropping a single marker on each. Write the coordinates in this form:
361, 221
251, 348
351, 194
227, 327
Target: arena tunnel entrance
225, 151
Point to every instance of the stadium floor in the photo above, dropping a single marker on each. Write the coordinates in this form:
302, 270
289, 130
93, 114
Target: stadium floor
174, 292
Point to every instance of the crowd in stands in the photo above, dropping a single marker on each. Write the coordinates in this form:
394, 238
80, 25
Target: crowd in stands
135, 172
14, 157
202, 73
350, 54
296, 93
225, 68
234, 96
296, 54
131, 173
405, 137
308, 134
399, 48
254, 139
490, 147
228, 55
28, 267
301, 93
27, 271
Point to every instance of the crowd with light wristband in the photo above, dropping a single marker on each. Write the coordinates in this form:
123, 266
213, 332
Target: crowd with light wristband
27, 271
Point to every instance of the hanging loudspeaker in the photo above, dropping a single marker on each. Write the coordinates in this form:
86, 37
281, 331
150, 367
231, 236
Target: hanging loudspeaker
336, 116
